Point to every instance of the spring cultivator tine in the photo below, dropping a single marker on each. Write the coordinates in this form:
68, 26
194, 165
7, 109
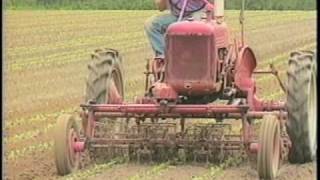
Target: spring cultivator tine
202, 154
182, 156
222, 153
153, 142
144, 154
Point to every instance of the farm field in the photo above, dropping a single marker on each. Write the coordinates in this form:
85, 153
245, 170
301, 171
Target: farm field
45, 66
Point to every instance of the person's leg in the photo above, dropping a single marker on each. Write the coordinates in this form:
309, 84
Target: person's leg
155, 28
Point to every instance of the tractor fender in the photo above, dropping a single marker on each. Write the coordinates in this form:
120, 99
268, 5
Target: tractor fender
245, 65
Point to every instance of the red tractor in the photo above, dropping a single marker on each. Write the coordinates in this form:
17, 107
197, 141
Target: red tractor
204, 75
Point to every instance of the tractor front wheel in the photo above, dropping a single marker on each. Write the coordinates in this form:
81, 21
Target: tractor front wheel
65, 136
302, 106
269, 150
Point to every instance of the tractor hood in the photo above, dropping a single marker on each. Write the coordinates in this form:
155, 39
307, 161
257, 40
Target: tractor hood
190, 28
191, 58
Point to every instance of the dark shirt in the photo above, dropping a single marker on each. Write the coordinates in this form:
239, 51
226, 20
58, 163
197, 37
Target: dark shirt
191, 7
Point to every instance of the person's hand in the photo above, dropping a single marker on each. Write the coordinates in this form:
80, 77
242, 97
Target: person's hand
161, 4
209, 6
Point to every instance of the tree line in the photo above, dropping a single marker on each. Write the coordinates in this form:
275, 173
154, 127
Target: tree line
149, 4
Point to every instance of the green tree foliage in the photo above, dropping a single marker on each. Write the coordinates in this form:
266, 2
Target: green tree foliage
149, 4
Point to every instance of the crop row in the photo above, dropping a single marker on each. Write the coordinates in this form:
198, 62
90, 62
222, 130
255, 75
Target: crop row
94, 170
67, 30
81, 54
75, 43
45, 20
278, 61
133, 27
58, 59
113, 25
149, 174
29, 135
283, 57
67, 16
216, 170
91, 25
20, 153
55, 18
41, 117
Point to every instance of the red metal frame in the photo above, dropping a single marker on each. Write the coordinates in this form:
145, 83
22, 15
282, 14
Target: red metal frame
176, 111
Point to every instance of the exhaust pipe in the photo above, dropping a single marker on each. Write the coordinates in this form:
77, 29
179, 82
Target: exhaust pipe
219, 10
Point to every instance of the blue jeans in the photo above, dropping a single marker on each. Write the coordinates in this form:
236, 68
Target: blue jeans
156, 27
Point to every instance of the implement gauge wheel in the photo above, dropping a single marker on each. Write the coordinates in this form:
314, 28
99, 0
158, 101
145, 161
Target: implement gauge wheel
65, 135
302, 106
269, 150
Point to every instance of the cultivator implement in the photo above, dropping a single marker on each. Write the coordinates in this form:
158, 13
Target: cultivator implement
149, 139
155, 142
200, 68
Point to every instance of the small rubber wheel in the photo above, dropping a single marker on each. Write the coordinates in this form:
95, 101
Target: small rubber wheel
65, 135
269, 150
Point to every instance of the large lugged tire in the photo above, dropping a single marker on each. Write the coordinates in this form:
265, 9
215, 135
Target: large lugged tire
302, 106
104, 68
66, 133
269, 151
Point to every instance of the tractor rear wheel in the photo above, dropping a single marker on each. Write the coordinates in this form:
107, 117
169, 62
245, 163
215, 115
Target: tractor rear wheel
105, 72
104, 83
269, 150
104, 69
302, 106
65, 135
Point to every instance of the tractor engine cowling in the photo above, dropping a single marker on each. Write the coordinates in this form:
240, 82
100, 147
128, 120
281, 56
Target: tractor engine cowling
191, 58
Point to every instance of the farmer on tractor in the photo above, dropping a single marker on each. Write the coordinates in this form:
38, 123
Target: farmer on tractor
156, 26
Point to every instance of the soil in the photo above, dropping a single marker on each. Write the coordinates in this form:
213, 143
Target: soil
188, 172
287, 171
120, 172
